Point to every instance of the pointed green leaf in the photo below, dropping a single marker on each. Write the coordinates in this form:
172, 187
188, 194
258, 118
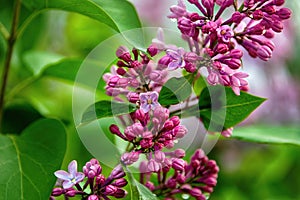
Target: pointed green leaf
29, 160
175, 90
220, 108
117, 14
103, 109
138, 190
272, 134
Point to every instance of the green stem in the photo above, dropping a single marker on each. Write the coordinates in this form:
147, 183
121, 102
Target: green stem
10, 46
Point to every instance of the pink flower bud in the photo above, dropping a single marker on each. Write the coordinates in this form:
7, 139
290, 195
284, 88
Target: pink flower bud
110, 190
181, 178
269, 34
146, 143
190, 67
179, 131
120, 182
133, 97
179, 153
152, 50
100, 179
222, 48
71, 193
171, 183
120, 193
227, 132
153, 166
278, 2
277, 26
92, 168
269, 9
57, 192
93, 197
150, 185
121, 71
123, 53
284, 13
117, 172
258, 14
113, 80
195, 192
159, 156
237, 17
264, 53
130, 157
178, 164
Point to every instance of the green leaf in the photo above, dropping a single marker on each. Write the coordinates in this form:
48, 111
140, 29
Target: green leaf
176, 90
117, 14
273, 134
37, 60
138, 190
199, 85
220, 108
28, 161
103, 109
17, 116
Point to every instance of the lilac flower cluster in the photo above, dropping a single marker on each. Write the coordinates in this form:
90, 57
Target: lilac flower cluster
216, 40
134, 73
177, 177
99, 187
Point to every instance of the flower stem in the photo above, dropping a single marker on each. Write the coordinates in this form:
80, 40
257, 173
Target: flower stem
10, 46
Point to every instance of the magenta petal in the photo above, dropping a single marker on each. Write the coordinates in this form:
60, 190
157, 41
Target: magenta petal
61, 174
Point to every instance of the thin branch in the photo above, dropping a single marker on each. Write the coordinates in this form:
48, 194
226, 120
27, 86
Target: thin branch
11, 42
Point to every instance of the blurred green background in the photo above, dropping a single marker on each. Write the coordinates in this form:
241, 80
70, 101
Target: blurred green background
247, 170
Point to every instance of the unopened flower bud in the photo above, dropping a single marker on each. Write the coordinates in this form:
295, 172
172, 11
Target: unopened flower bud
120, 182
284, 13
120, 193
159, 156
93, 197
71, 193
123, 53
227, 132
57, 192
179, 153
150, 185
153, 166
178, 164
110, 190
152, 50
117, 172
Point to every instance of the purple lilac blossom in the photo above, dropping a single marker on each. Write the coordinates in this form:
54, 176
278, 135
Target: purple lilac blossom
71, 177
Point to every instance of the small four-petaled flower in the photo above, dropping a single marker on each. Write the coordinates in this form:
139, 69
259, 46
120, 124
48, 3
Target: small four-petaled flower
149, 101
70, 178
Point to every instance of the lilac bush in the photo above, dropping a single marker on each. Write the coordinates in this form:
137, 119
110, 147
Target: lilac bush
139, 78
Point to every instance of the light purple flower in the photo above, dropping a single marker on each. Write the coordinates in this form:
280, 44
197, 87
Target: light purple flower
225, 33
177, 57
149, 101
70, 178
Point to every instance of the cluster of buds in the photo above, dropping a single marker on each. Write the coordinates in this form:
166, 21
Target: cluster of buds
99, 186
150, 132
135, 72
251, 26
177, 177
